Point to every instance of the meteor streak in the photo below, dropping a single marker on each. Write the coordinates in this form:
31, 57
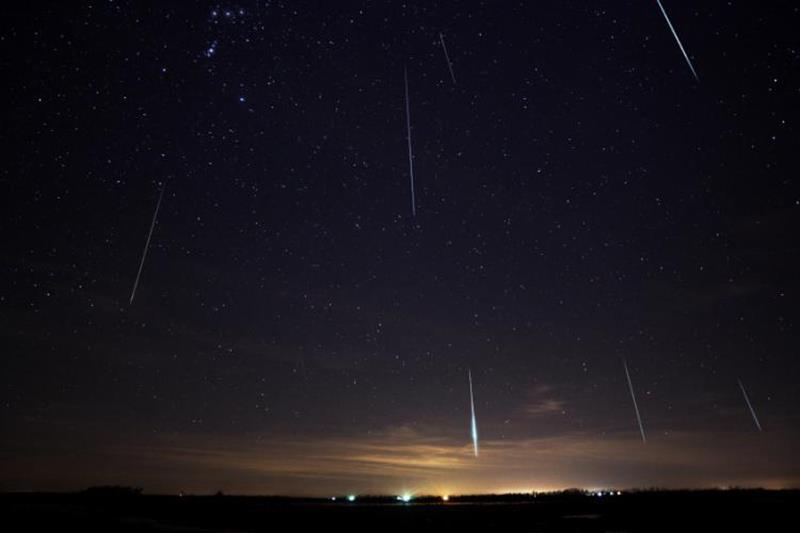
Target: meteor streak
749, 405
474, 425
633, 397
685, 55
447, 58
410, 155
147, 245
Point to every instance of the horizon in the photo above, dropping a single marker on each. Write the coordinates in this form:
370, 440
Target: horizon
400, 497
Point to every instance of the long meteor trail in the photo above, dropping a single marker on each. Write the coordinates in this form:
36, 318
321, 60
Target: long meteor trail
633, 397
474, 425
410, 154
147, 245
685, 55
749, 405
447, 58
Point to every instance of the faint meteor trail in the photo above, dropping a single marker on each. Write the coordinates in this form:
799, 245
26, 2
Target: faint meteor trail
749, 405
685, 55
147, 245
633, 397
447, 58
410, 154
474, 425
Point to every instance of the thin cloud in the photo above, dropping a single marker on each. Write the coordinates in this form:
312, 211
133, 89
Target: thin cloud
403, 457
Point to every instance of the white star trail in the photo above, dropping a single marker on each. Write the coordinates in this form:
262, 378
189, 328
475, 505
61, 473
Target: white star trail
474, 424
635, 405
749, 405
410, 154
447, 58
685, 55
146, 245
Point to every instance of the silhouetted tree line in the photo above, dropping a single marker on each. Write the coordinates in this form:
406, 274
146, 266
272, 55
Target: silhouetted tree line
113, 491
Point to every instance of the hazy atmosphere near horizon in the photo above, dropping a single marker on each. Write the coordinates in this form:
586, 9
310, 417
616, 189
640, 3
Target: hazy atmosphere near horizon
318, 248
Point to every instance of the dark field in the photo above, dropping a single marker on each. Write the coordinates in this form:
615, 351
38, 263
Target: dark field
733, 510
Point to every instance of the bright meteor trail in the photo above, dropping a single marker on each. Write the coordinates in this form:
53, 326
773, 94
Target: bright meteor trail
147, 245
749, 405
633, 397
474, 425
685, 55
410, 155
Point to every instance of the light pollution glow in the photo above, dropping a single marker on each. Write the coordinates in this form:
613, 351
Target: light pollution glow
404, 460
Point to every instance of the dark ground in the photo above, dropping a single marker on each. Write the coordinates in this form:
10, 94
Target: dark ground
733, 510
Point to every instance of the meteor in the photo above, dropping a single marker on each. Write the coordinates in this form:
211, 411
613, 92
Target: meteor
633, 397
147, 245
410, 155
749, 405
474, 425
447, 58
685, 55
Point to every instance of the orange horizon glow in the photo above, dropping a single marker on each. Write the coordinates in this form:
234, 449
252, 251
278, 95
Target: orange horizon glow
402, 460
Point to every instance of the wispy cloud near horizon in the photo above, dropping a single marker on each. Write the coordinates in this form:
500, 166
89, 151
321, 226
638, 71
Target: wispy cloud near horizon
405, 458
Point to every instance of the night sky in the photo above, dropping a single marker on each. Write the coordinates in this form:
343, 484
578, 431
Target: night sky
582, 201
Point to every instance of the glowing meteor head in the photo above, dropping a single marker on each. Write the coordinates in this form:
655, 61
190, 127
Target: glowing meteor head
405, 497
